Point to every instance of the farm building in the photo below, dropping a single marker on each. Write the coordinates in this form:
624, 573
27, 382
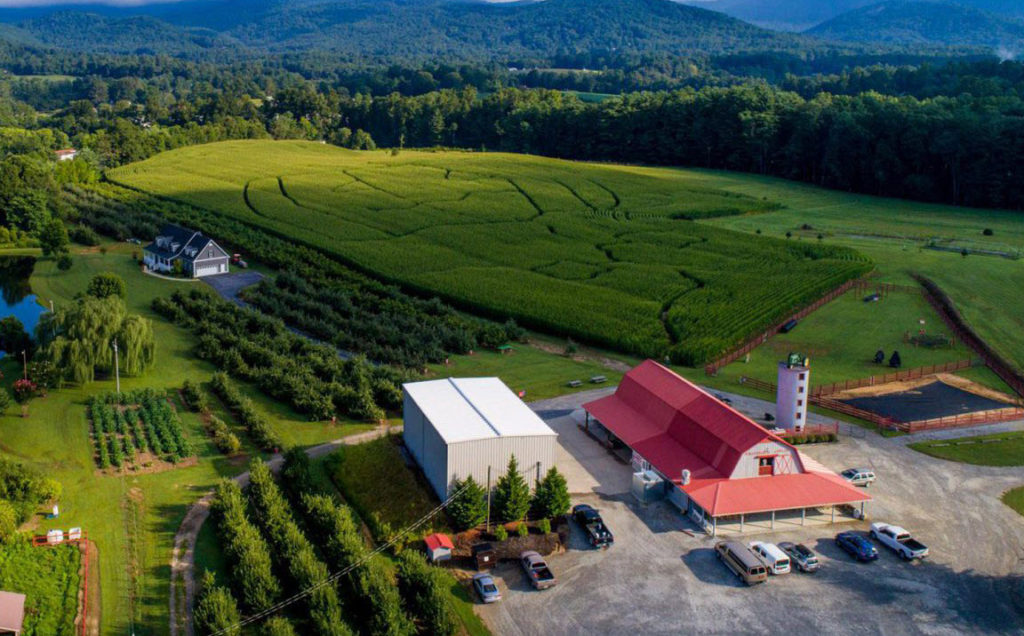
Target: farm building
66, 154
456, 428
720, 467
198, 255
12, 613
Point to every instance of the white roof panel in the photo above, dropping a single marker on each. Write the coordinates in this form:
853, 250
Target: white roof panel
464, 409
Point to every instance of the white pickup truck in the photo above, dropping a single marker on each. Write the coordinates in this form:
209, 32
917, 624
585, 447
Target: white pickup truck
899, 541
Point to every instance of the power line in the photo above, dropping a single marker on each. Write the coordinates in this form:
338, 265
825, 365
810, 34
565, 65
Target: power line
280, 605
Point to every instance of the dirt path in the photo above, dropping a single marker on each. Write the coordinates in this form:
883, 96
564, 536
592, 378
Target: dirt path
183, 579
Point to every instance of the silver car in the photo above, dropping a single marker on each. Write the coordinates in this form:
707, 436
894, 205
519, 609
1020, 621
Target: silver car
486, 588
859, 476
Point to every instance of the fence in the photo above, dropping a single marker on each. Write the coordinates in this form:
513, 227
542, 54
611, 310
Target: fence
760, 339
945, 308
812, 429
899, 376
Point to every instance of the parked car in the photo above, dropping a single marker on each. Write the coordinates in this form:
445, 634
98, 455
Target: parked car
590, 520
774, 559
856, 546
801, 556
899, 541
859, 476
742, 562
486, 588
537, 570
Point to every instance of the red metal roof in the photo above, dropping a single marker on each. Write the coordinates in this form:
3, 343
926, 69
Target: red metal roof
439, 540
12, 611
674, 424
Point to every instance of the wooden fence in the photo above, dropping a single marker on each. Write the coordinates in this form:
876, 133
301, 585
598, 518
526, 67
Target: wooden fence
945, 308
812, 429
899, 376
760, 339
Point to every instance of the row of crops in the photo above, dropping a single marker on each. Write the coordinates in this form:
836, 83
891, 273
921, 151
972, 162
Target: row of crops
493, 234
283, 538
132, 423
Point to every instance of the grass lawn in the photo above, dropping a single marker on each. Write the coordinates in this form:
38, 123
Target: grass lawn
980, 450
132, 518
895, 235
1015, 499
49, 578
540, 373
375, 481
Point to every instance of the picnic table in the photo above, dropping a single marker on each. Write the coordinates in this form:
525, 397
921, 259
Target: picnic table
598, 379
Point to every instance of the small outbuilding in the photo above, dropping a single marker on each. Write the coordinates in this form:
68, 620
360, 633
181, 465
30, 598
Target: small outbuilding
461, 427
12, 613
439, 547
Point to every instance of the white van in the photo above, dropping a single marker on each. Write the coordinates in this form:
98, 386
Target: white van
774, 558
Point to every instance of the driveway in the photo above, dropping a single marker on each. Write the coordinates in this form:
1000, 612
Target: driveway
661, 576
230, 285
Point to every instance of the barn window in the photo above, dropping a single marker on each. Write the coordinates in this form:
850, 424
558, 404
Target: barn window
803, 376
800, 389
798, 415
766, 465
799, 402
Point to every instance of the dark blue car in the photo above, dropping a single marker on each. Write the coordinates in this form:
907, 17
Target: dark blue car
856, 546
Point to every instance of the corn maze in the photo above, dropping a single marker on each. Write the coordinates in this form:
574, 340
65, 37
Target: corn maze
129, 430
608, 254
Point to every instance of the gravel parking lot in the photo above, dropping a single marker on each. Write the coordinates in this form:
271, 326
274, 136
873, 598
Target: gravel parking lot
661, 576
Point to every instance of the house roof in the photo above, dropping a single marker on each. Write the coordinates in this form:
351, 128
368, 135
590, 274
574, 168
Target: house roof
464, 409
185, 240
65, 151
12, 611
674, 424
438, 540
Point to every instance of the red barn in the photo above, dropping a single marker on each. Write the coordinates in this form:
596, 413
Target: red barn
718, 463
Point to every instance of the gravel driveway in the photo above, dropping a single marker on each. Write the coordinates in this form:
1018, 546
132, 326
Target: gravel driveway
661, 576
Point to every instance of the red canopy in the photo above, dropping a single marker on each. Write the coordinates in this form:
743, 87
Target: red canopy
439, 540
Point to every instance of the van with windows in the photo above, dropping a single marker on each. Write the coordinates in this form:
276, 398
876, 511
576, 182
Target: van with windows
743, 563
774, 558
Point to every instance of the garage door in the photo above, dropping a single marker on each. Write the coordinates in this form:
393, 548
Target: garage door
209, 270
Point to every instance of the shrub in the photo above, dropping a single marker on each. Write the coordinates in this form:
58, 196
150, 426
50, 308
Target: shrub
24, 390
5, 401
193, 396
425, 590
278, 626
544, 525
500, 533
106, 284
64, 262
522, 529
225, 441
84, 235
216, 610
247, 553
987, 231
8, 521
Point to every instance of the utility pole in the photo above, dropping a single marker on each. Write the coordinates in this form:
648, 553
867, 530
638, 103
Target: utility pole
117, 370
488, 498
51, 306
24, 364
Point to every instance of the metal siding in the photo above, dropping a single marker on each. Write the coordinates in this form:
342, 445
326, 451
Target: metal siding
747, 465
435, 459
473, 457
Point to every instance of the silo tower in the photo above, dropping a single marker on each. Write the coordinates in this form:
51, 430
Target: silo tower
793, 391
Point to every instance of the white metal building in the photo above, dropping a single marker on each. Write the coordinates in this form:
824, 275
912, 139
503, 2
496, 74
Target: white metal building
459, 427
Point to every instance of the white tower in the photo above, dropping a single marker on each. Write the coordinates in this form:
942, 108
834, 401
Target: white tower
793, 391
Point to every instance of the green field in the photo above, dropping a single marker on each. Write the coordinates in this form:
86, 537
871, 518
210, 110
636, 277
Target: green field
1015, 499
896, 235
49, 578
603, 253
998, 449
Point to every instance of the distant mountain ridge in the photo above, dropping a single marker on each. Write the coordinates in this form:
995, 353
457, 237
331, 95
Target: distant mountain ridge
402, 28
906, 22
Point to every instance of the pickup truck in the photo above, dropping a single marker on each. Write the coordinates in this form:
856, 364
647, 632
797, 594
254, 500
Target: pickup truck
899, 541
536, 570
590, 520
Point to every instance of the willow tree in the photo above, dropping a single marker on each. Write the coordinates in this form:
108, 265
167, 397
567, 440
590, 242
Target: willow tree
78, 339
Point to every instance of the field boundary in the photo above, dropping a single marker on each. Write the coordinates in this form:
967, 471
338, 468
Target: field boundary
758, 340
943, 304
910, 374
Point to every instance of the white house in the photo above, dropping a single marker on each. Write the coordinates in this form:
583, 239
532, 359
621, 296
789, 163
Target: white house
66, 154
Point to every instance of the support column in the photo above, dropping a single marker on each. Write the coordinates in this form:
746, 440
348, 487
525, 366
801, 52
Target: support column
773, 519
862, 510
714, 526
803, 515
833, 514
741, 522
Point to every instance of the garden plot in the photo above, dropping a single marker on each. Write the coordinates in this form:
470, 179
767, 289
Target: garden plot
137, 431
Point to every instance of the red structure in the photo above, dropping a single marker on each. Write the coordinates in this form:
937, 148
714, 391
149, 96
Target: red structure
718, 462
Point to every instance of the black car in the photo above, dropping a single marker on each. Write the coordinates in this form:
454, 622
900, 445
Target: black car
590, 520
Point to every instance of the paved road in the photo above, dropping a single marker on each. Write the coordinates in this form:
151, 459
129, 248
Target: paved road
230, 285
660, 579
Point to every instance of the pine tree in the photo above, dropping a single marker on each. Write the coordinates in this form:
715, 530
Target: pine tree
216, 609
468, 508
511, 495
552, 496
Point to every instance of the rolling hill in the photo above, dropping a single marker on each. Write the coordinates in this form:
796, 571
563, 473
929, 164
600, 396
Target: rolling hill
927, 23
405, 28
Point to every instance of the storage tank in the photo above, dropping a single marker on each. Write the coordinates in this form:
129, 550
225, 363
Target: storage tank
792, 392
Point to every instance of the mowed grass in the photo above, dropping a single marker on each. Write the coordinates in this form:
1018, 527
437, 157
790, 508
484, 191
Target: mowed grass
1015, 499
132, 518
895, 235
998, 449
603, 253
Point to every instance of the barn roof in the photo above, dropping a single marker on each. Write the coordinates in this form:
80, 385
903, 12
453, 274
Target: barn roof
464, 409
12, 611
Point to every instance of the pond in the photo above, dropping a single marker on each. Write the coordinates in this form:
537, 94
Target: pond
16, 297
